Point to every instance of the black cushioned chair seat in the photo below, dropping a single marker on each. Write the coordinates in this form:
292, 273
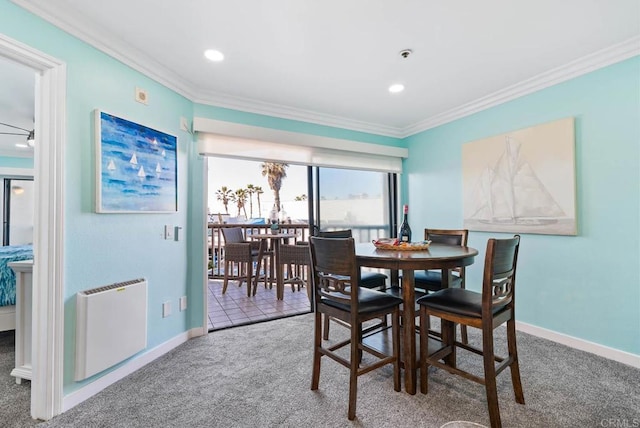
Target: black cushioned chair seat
432, 280
373, 280
369, 301
397, 291
457, 300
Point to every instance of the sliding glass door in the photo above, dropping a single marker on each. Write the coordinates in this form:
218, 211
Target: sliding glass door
363, 201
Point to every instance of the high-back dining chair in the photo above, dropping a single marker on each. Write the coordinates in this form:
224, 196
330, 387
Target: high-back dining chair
494, 306
337, 293
431, 280
370, 280
243, 254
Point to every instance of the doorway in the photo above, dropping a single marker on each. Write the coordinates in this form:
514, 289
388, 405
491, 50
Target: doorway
48, 313
311, 198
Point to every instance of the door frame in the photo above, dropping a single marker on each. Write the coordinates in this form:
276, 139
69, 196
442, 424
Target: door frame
48, 245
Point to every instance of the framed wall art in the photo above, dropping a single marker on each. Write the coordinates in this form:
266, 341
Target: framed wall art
522, 181
136, 167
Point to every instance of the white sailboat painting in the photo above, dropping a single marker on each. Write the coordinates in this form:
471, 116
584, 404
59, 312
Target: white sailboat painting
523, 181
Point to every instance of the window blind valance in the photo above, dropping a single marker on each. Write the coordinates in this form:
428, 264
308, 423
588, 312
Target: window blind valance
227, 139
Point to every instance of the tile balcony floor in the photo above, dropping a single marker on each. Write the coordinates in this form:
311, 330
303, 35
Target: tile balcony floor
234, 307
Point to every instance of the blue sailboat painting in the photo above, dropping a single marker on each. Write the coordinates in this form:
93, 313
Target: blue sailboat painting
136, 167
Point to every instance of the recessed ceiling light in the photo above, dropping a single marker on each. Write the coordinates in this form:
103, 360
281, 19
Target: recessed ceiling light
395, 88
213, 55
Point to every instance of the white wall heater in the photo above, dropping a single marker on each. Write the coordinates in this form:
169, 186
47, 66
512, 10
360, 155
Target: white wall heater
111, 325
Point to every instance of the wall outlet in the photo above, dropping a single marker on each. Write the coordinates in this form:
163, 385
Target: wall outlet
142, 96
183, 303
168, 232
166, 309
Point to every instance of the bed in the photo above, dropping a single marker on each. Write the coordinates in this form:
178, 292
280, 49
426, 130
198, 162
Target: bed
8, 283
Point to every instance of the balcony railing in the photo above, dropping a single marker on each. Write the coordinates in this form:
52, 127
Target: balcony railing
301, 231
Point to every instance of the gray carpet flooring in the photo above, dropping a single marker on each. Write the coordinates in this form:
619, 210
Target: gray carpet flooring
259, 376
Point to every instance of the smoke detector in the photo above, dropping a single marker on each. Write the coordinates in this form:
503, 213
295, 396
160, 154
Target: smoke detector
405, 53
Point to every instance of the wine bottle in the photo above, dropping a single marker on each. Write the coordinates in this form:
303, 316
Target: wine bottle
405, 230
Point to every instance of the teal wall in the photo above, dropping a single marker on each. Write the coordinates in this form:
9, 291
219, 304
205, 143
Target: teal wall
12, 162
585, 286
106, 248
578, 276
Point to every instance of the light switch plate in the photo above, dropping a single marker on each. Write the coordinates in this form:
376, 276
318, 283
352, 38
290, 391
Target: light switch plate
183, 303
166, 309
168, 232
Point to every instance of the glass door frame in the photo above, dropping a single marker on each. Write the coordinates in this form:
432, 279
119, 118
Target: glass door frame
313, 191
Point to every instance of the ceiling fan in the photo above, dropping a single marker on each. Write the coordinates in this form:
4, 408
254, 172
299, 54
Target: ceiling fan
30, 134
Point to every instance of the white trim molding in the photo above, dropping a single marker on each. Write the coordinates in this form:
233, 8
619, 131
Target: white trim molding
48, 282
135, 363
67, 20
584, 65
627, 358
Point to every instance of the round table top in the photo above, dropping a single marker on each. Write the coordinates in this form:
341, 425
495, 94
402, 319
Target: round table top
436, 256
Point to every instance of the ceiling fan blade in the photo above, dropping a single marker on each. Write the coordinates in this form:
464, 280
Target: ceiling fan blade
14, 133
13, 126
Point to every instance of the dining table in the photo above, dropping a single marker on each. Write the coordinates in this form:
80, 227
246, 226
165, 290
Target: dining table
406, 262
275, 239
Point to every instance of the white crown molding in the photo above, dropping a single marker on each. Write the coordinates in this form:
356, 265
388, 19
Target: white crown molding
602, 58
74, 24
285, 112
120, 50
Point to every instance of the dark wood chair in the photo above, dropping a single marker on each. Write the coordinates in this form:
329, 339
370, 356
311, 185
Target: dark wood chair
296, 262
338, 294
431, 280
494, 306
243, 255
370, 280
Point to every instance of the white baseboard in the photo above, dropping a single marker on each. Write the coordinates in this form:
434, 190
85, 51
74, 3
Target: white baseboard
628, 358
199, 331
76, 397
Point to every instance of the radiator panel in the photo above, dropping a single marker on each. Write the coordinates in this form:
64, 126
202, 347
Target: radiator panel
111, 326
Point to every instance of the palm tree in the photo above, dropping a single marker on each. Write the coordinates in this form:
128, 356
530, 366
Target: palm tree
275, 173
240, 198
258, 191
251, 189
224, 194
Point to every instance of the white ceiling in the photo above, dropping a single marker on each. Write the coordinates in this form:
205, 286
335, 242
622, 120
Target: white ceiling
331, 61
17, 93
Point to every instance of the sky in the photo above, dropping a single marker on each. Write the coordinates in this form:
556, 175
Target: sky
237, 174
336, 184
